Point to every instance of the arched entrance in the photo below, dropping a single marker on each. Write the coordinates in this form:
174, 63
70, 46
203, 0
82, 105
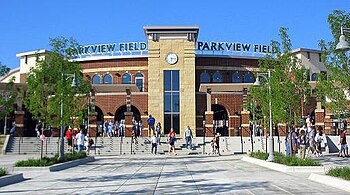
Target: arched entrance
99, 118
220, 119
119, 114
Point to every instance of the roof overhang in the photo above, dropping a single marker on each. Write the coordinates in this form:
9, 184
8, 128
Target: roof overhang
112, 88
224, 87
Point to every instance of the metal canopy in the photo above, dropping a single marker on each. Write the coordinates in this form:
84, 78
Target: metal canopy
224, 87
110, 88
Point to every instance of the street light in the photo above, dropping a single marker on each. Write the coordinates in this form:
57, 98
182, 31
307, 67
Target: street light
73, 85
343, 44
257, 83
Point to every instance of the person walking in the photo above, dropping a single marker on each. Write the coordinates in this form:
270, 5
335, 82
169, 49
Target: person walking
140, 128
217, 143
69, 136
171, 141
318, 142
88, 143
122, 129
302, 143
80, 137
154, 143
105, 128
116, 128
188, 137
343, 145
158, 131
151, 121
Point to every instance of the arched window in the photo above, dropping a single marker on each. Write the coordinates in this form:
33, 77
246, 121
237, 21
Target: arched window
217, 77
107, 79
96, 79
236, 78
139, 81
126, 79
205, 77
248, 77
314, 77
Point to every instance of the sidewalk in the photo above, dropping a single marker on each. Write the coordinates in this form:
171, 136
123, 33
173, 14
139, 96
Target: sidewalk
332, 160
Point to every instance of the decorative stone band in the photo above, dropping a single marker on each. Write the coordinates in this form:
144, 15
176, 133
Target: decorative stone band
245, 125
209, 125
19, 125
92, 125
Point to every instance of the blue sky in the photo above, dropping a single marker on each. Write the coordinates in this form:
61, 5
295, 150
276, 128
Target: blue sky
28, 25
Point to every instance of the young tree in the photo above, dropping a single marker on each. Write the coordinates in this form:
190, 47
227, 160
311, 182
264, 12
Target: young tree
333, 89
8, 97
289, 85
49, 85
4, 70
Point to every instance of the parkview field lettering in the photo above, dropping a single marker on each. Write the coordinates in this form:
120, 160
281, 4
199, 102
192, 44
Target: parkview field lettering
111, 48
233, 47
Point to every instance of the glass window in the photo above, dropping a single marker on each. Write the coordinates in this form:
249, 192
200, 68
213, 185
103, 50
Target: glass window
167, 80
314, 77
248, 77
205, 77
96, 79
236, 78
175, 80
126, 79
139, 81
171, 100
175, 102
167, 102
107, 79
217, 77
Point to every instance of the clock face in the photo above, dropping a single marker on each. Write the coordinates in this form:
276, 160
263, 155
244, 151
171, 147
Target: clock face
171, 58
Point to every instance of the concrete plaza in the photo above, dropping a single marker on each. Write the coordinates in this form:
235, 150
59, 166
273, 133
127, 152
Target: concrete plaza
167, 175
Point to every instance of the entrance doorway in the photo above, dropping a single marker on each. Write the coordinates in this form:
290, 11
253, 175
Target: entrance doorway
119, 114
220, 119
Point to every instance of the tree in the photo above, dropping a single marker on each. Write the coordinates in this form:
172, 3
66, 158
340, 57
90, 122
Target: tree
4, 70
8, 97
288, 81
49, 85
333, 89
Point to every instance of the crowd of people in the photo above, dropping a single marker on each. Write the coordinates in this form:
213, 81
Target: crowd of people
79, 140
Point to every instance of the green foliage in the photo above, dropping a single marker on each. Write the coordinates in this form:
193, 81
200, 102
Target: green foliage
8, 98
337, 64
288, 81
3, 172
4, 70
343, 172
49, 161
49, 83
289, 161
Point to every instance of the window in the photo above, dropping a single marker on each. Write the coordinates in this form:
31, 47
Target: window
217, 77
319, 57
126, 79
314, 77
236, 78
107, 79
205, 77
96, 79
308, 56
139, 81
171, 100
248, 77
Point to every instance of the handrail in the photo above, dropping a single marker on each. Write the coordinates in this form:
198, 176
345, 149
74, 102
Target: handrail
19, 144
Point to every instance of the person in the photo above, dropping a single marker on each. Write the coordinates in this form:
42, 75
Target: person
287, 144
121, 129
343, 145
134, 132
150, 121
116, 128
13, 130
154, 143
38, 129
311, 140
105, 128
140, 128
171, 141
188, 137
217, 143
158, 131
110, 128
88, 143
80, 137
212, 144
294, 137
302, 143
68, 136
318, 140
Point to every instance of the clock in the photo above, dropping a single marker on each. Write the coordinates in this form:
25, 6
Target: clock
171, 58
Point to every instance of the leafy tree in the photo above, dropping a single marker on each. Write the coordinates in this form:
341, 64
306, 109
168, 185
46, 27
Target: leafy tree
49, 85
336, 84
4, 70
8, 97
289, 85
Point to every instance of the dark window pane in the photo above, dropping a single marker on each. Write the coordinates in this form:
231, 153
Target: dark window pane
175, 80
167, 80
139, 84
314, 77
236, 78
176, 123
139, 75
176, 102
205, 77
248, 78
217, 77
107, 79
167, 123
126, 79
96, 79
167, 102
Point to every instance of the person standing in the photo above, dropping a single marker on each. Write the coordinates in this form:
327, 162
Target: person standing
343, 145
151, 121
154, 143
140, 128
217, 143
158, 131
171, 141
188, 137
116, 128
105, 128
110, 128
302, 143
318, 142
80, 137
87, 144
121, 129
69, 136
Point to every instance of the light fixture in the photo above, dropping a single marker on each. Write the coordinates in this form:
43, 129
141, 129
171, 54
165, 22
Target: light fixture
343, 44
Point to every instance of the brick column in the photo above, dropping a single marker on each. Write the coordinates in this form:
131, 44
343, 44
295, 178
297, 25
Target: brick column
128, 124
319, 116
92, 124
245, 123
234, 123
19, 123
282, 129
209, 127
145, 126
328, 130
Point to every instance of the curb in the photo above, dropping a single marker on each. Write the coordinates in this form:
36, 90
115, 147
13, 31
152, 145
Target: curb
284, 168
330, 181
11, 179
57, 167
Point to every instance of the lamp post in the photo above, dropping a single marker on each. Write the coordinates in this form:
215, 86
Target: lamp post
343, 44
61, 143
257, 83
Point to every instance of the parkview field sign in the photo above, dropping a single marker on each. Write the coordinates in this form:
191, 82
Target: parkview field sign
130, 47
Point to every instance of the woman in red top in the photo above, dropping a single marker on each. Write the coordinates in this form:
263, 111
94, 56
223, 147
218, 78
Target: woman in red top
69, 134
171, 141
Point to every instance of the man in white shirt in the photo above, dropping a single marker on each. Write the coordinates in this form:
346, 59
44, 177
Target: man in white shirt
188, 137
80, 137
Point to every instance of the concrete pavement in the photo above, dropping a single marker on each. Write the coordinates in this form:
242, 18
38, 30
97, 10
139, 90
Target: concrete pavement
167, 175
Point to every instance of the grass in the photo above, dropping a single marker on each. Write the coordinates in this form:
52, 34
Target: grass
46, 161
289, 161
3, 172
343, 173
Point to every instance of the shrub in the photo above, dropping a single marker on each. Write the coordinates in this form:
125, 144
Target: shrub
343, 172
3, 172
49, 161
289, 161
259, 155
